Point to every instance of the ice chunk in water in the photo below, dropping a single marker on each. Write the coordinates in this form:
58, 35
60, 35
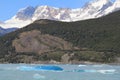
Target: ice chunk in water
38, 76
56, 68
110, 71
40, 68
81, 65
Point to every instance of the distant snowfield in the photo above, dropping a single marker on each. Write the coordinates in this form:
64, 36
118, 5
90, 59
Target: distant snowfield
15, 23
92, 9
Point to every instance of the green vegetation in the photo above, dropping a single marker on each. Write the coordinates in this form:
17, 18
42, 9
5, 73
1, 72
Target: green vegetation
101, 36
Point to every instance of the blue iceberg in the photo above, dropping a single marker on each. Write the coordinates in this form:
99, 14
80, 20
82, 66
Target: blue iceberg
56, 68
40, 68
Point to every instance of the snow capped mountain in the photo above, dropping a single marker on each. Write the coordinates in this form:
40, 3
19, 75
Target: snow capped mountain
25, 13
115, 6
92, 9
47, 12
22, 18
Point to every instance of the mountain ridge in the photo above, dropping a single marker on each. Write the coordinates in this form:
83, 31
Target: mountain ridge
93, 9
5, 31
95, 40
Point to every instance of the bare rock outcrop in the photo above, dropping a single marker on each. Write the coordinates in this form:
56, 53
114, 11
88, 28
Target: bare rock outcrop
35, 41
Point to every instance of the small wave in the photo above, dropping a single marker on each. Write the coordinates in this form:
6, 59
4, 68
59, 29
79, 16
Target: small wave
110, 71
100, 65
38, 76
81, 65
7, 69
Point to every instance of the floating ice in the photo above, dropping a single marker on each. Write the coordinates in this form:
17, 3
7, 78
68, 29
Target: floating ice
110, 71
25, 68
81, 65
38, 76
40, 68
56, 68
82, 70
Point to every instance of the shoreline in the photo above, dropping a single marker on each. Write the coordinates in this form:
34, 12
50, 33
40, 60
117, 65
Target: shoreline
62, 63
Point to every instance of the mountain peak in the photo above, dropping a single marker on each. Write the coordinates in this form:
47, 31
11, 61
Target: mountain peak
25, 13
93, 9
117, 3
115, 7
99, 3
44, 6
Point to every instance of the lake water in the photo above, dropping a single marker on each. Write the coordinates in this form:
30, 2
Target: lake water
69, 72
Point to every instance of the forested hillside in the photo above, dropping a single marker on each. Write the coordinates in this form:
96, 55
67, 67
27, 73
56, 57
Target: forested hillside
96, 40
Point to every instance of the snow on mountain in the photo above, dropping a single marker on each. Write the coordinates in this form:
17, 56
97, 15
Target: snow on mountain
92, 9
22, 18
115, 6
25, 13
1, 22
15, 22
47, 12
5, 31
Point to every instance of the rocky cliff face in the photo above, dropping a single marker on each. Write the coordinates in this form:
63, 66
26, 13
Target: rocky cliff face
34, 41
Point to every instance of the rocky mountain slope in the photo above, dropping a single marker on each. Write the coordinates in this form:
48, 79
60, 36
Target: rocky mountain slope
92, 9
47, 41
